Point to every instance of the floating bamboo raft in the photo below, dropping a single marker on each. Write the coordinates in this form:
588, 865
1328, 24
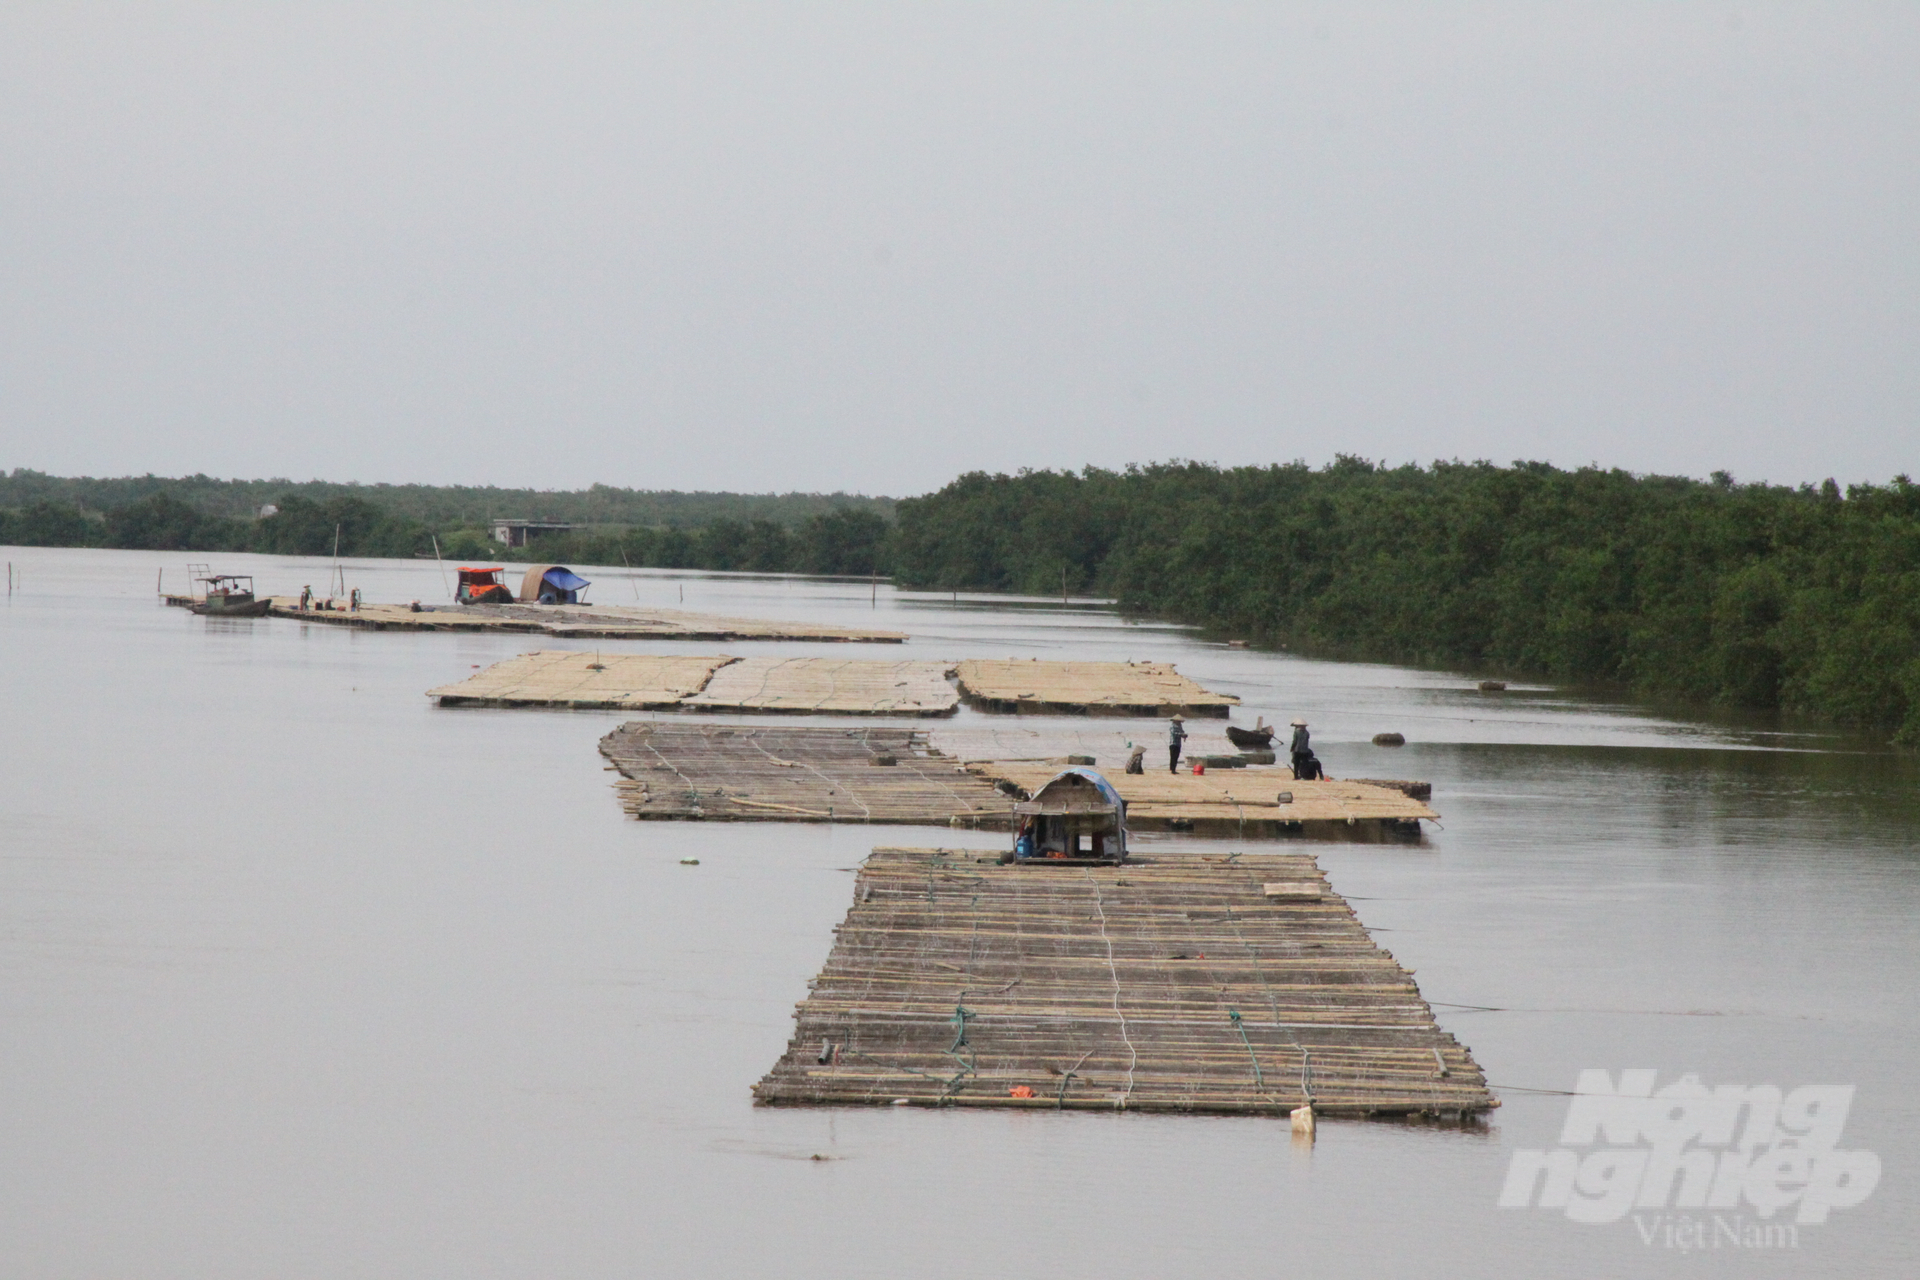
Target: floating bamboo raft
1236, 984
583, 679
673, 769
779, 774
843, 686
1238, 802
588, 680
1035, 687
829, 686
596, 621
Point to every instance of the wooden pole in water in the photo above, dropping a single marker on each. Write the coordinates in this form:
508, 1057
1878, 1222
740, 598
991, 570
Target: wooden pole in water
1063, 584
630, 578
336, 564
437, 560
159, 576
873, 582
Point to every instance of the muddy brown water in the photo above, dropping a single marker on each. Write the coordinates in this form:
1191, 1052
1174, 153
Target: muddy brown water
300, 976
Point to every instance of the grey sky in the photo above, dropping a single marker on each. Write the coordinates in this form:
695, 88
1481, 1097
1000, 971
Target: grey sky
872, 246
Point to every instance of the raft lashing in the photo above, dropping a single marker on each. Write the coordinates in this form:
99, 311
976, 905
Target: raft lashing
673, 769
1232, 983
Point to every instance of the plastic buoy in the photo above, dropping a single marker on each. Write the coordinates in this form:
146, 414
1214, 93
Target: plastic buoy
1303, 1120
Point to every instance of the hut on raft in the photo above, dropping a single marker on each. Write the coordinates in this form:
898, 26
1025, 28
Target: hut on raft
552, 584
1076, 817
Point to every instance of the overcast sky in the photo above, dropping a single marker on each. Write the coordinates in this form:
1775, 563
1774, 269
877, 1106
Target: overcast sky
869, 247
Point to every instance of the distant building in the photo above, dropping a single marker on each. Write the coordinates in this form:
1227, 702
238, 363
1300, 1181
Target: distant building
518, 533
269, 510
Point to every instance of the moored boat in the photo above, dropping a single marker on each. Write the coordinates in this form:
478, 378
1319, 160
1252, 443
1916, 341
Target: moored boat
230, 595
1258, 738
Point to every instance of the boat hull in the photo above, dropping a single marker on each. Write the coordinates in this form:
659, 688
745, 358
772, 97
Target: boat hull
237, 609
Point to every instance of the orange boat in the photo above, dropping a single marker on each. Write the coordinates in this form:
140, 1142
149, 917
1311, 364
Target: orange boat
482, 586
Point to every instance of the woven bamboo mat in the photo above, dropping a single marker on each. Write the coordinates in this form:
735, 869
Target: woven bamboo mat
1034, 686
583, 679
829, 686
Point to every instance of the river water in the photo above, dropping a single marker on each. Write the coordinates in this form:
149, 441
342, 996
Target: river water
300, 976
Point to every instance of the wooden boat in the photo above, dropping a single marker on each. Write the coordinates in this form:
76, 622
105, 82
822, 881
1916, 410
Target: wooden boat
230, 595
1258, 738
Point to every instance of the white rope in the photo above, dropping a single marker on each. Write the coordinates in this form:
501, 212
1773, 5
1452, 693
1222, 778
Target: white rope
1133, 1054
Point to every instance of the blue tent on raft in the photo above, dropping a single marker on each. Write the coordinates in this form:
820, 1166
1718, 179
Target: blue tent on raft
552, 584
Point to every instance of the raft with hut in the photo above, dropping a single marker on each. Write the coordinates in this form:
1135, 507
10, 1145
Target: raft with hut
672, 769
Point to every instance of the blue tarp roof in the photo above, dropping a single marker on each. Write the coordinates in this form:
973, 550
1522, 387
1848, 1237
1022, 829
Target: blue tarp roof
565, 579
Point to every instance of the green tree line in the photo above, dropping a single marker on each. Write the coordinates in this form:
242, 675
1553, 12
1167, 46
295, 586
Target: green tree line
435, 506
1760, 596
836, 540
1797, 599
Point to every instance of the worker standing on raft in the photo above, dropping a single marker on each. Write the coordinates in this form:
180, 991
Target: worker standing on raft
1302, 748
1175, 737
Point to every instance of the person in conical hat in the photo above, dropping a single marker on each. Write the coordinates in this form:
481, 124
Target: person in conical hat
1176, 735
1301, 748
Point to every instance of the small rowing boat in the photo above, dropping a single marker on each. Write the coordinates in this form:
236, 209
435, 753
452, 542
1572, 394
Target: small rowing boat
1258, 738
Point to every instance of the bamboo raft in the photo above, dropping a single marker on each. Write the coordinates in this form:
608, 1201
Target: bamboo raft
735, 773
1236, 984
1240, 802
826, 686
840, 686
589, 680
741, 773
1034, 687
584, 680
583, 621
